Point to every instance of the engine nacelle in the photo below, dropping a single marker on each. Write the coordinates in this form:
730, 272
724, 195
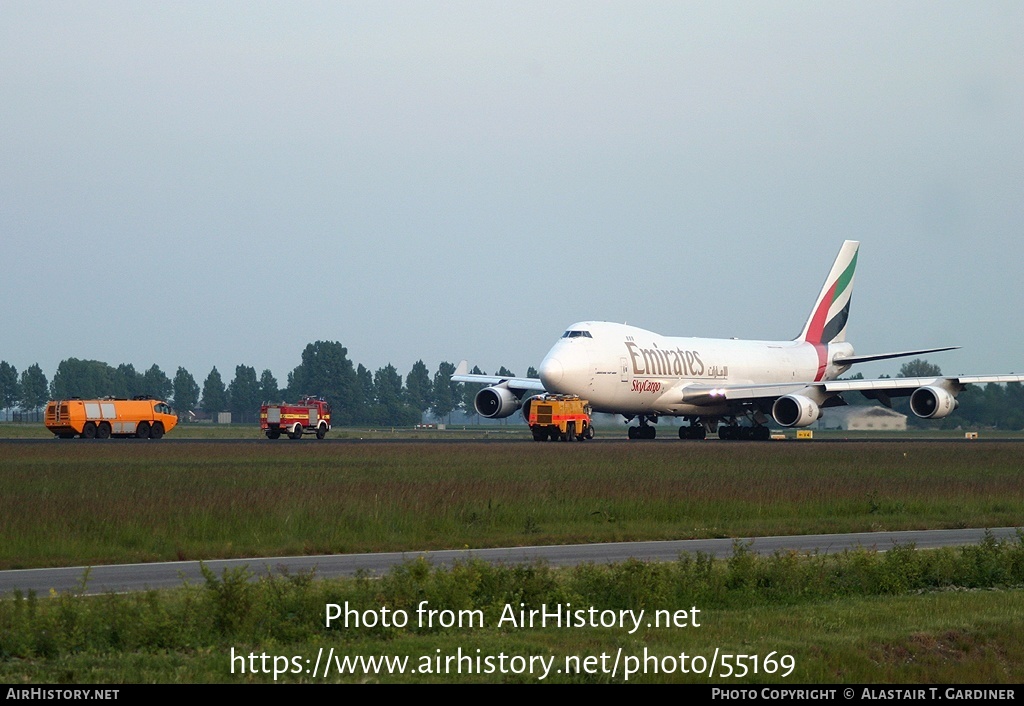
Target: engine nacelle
796, 411
930, 402
496, 402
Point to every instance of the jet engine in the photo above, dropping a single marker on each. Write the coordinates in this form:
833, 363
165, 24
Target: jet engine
496, 402
932, 402
795, 411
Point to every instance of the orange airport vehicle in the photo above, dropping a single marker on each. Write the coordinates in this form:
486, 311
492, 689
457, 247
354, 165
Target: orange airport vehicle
310, 415
142, 417
558, 417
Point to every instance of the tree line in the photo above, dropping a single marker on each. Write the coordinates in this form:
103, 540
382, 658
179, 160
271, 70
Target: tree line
356, 394
383, 397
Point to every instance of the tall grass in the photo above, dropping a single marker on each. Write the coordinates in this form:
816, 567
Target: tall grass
71, 503
858, 616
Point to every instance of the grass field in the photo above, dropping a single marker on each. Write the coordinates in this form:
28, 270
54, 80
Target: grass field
75, 502
951, 616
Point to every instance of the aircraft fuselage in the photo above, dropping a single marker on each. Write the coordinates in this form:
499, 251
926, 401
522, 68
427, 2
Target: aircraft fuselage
628, 370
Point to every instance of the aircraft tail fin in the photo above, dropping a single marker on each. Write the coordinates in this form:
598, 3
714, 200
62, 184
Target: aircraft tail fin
827, 322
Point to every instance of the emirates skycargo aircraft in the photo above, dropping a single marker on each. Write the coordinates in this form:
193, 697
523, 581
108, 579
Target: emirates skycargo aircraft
715, 384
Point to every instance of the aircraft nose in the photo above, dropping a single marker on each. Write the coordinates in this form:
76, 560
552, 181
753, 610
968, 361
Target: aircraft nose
567, 373
551, 372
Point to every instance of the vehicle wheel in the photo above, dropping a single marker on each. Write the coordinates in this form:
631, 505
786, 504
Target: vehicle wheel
321, 431
570, 431
142, 431
590, 431
89, 431
273, 433
157, 432
296, 432
540, 435
103, 431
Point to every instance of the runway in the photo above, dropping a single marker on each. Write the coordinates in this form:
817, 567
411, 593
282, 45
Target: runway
137, 577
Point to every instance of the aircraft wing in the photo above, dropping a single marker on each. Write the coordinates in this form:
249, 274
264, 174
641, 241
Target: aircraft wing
462, 374
850, 360
879, 388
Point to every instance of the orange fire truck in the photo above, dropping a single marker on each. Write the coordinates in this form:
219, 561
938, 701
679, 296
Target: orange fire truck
558, 418
142, 417
310, 415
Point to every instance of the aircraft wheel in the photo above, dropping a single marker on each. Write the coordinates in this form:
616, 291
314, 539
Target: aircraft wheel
631, 432
89, 431
157, 432
142, 431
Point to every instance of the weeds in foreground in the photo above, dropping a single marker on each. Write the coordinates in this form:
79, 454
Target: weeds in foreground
239, 607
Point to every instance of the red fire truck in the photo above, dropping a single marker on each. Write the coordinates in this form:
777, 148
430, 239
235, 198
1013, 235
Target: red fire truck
310, 415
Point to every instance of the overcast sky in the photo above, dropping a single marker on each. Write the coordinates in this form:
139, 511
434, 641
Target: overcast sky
197, 184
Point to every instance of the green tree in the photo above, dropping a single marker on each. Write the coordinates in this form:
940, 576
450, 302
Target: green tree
447, 394
215, 396
531, 372
919, 368
363, 396
269, 391
155, 383
244, 395
126, 382
186, 393
505, 372
327, 372
391, 408
419, 390
34, 389
1014, 406
10, 391
88, 379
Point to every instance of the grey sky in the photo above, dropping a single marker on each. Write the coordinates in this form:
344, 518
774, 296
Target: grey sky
205, 184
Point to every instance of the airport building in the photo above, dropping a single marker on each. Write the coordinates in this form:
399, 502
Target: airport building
862, 418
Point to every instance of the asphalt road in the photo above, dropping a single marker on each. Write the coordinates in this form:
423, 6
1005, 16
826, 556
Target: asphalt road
135, 577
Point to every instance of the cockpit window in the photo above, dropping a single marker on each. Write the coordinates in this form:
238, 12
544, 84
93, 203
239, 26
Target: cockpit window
576, 334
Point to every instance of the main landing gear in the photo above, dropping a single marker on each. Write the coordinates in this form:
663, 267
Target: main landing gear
645, 430
694, 430
734, 431
698, 428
